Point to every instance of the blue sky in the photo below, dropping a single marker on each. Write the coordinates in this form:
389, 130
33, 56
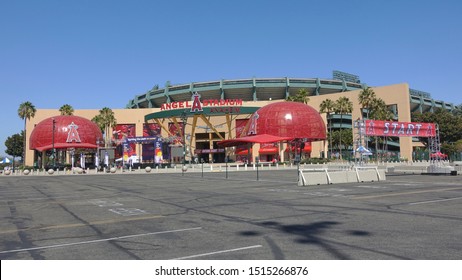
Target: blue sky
101, 53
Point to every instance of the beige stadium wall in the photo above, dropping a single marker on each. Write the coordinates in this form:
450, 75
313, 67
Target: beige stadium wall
393, 94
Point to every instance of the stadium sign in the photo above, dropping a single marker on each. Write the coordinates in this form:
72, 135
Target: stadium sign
196, 105
400, 129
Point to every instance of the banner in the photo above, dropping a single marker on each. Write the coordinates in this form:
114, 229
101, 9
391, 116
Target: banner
176, 131
152, 147
399, 129
120, 134
242, 150
143, 140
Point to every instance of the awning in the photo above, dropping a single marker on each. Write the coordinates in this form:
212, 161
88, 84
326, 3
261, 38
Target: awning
260, 138
242, 152
67, 146
268, 150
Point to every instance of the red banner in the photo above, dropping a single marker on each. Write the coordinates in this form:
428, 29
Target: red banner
399, 129
240, 125
120, 133
176, 131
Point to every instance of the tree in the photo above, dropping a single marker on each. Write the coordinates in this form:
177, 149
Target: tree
458, 110
343, 106
458, 146
366, 98
26, 111
450, 125
342, 137
66, 110
379, 111
301, 96
328, 107
335, 136
105, 120
14, 146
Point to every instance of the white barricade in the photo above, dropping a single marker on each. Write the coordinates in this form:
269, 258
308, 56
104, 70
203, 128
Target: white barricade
324, 176
318, 180
357, 168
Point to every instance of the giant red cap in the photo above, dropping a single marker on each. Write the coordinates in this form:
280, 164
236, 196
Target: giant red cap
69, 132
288, 119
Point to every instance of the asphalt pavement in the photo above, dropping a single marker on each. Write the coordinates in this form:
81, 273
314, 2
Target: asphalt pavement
194, 216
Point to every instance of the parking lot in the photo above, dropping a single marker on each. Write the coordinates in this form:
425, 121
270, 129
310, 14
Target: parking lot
174, 216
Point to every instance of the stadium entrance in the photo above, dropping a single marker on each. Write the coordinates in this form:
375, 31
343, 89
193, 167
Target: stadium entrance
189, 127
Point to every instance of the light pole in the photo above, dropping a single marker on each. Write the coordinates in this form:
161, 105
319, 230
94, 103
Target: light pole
202, 163
184, 118
359, 124
257, 161
72, 150
298, 153
98, 152
53, 143
226, 161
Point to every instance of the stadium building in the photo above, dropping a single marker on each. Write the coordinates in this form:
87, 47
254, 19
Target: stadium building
187, 121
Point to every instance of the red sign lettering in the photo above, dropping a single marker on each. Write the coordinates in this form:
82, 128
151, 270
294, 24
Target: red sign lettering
400, 129
197, 105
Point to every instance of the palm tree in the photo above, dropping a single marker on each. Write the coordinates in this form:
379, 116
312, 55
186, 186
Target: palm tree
366, 98
105, 120
327, 106
301, 96
343, 106
26, 111
66, 110
379, 111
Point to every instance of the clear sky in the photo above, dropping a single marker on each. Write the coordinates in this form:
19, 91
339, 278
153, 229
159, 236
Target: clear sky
101, 53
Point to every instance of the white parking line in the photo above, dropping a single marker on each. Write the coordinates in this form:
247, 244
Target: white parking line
128, 211
432, 201
219, 252
98, 240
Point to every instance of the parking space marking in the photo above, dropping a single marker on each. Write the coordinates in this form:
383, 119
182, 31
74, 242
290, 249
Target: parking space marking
370, 187
433, 201
98, 240
404, 193
219, 252
128, 211
323, 194
104, 203
112, 221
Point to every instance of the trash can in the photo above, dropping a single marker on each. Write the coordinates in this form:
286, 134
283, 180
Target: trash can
453, 172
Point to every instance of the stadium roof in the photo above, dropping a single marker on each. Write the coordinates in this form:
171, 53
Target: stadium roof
246, 89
